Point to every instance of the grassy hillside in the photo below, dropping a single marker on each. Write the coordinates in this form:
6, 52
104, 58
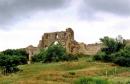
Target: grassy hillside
67, 73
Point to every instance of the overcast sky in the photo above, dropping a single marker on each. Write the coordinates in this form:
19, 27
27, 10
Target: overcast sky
23, 22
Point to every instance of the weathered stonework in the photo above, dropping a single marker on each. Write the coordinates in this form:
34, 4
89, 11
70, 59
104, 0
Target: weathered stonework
31, 51
92, 49
66, 38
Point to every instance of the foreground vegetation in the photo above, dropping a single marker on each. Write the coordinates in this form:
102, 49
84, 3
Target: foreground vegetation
68, 73
11, 58
114, 50
54, 53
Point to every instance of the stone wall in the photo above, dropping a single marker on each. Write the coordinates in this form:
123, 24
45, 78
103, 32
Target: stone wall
31, 50
92, 49
66, 38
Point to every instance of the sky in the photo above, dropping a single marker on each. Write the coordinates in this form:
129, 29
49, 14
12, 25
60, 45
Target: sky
23, 22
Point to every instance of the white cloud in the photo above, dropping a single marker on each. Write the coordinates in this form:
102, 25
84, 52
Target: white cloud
30, 30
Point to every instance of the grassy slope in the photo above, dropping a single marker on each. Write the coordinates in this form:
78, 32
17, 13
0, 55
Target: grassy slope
66, 73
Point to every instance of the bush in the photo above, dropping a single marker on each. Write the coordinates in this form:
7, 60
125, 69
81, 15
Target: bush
80, 55
89, 80
122, 57
112, 45
11, 58
72, 73
9, 63
114, 51
20, 53
70, 57
22, 60
38, 57
122, 61
54, 53
99, 56
128, 82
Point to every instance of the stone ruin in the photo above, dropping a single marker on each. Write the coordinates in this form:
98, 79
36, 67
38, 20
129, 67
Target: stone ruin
31, 51
66, 38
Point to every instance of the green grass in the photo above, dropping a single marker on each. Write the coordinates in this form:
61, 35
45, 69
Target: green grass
67, 73
91, 80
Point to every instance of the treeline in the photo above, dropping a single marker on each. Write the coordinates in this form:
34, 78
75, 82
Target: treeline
114, 50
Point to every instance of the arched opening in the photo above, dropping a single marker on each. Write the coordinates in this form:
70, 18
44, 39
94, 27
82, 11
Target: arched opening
56, 42
57, 37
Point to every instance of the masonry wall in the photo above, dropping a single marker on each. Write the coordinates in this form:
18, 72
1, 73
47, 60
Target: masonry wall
66, 38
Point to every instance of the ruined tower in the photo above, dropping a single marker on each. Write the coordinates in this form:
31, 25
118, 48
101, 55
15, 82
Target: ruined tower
63, 37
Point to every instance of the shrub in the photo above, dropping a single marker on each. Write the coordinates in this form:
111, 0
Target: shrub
108, 58
122, 61
53, 53
70, 57
11, 58
9, 63
114, 51
99, 56
122, 57
89, 80
128, 82
72, 73
80, 55
20, 53
90, 59
38, 57
112, 45
22, 60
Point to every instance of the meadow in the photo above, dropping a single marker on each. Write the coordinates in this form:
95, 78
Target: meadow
67, 72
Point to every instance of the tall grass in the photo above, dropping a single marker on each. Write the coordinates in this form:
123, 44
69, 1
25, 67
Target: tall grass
91, 72
91, 80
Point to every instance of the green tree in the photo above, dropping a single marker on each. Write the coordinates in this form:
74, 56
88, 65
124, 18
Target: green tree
122, 57
11, 58
20, 53
112, 45
9, 64
54, 53
114, 50
39, 56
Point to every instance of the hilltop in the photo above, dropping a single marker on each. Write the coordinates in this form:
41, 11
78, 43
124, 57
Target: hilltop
67, 73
